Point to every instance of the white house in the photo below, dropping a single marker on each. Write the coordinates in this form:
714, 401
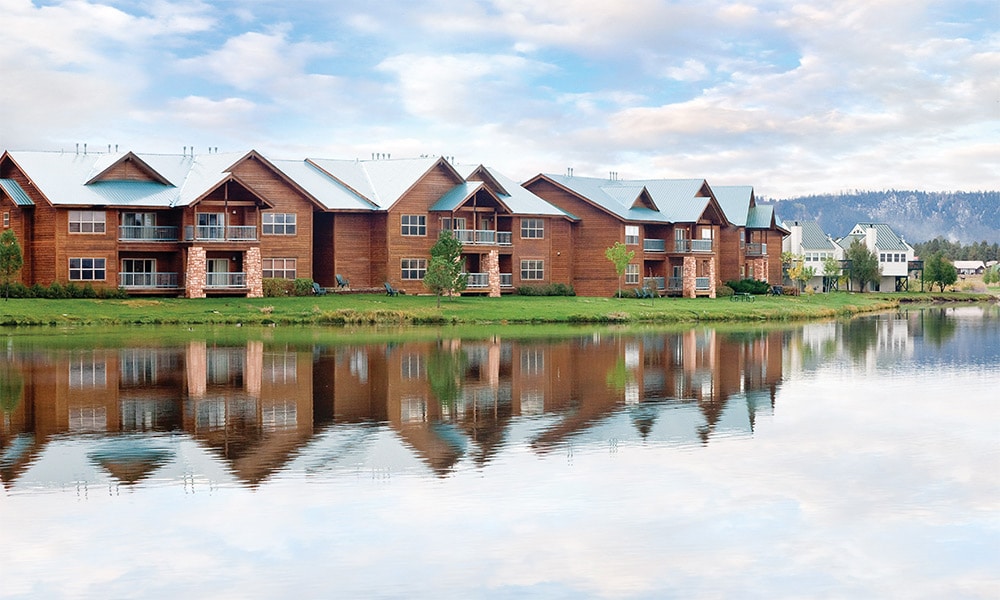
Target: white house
808, 240
894, 254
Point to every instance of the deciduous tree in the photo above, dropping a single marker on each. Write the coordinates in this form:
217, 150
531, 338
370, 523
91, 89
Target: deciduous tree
444, 273
11, 259
864, 265
620, 256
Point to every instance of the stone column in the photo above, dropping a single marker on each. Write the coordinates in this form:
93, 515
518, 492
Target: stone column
253, 266
711, 278
194, 272
493, 272
196, 367
253, 368
690, 272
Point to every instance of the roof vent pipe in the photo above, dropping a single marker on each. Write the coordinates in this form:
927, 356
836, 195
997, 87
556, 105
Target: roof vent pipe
109, 148
185, 150
78, 147
116, 148
85, 148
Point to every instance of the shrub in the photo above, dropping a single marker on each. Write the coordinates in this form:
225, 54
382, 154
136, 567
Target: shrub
551, 289
302, 287
724, 291
749, 286
278, 287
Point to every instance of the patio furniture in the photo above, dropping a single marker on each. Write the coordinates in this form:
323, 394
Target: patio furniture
389, 290
317, 290
341, 282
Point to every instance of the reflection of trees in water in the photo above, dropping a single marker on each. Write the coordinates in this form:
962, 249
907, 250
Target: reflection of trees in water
859, 335
11, 386
937, 325
445, 369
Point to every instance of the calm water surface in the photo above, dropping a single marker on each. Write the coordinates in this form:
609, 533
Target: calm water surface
854, 459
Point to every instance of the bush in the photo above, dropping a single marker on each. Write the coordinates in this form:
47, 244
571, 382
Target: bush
749, 286
724, 291
551, 289
302, 287
274, 288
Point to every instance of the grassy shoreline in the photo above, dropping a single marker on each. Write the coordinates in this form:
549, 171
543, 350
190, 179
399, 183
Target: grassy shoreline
373, 309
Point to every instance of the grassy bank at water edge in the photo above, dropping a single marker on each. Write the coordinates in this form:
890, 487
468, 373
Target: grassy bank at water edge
336, 309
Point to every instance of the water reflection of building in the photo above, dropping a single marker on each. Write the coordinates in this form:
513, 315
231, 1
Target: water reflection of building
866, 342
253, 407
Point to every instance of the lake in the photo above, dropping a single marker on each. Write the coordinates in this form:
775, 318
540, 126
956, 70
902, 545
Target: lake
839, 459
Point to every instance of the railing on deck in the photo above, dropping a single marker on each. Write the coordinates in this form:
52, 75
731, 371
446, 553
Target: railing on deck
477, 280
148, 280
653, 245
506, 280
675, 283
755, 249
218, 233
143, 233
702, 283
658, 283
692, 245
226, 280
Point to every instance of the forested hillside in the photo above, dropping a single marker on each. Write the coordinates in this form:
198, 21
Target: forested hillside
965, 217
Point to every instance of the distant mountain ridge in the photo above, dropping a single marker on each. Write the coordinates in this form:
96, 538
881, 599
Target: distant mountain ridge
965, 217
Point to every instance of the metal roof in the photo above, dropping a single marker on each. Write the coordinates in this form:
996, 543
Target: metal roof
523, 202
16, 192
381, 182
457, 195
760, 217
885, 238
677, 200
813, 236
326, 190
735, 202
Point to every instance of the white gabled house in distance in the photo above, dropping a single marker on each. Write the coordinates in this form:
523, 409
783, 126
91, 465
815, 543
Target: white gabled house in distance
808, 240
894, 254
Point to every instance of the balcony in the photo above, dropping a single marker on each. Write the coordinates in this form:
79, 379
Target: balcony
657, 283
218, 233
482, 237
685, 246
506, 280
755, 249
675, 284
654, 245
148, 281
143, 233
477, 281
702, 284
225, 280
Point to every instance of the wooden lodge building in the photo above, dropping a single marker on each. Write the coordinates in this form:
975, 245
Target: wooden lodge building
219, 224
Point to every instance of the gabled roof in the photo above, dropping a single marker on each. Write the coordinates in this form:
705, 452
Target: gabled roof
813, 236
16, 193
324, 189
381, 182
736, 201
672, 200
885, 238
106, 162
460, 194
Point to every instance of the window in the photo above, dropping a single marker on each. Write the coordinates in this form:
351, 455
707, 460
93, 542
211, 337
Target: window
278, 223
86, 269
413, 268
532, 269
414, 224
706, 234
412, 366
211, 226
87, 371
632, 235
453, 224
881, 257
86, 221
6, 219
631, 274
279, 268
532, 228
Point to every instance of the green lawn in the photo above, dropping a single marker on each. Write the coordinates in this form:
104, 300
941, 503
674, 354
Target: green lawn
404, 310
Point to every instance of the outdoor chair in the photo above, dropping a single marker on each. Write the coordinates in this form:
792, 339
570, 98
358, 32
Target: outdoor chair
777, 290
341, 282
389, 290
317, 290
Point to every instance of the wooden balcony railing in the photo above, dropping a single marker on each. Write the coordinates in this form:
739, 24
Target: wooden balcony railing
218, 233
686, 246
653, 245
143, 233
755, 249
226, 280
148, 280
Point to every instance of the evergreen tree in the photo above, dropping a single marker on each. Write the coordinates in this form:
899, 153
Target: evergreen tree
864, 265
11, 259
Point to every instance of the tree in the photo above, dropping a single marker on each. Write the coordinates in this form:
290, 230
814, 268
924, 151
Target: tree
620, 256
831, 272
864, 265
11, 259
444, 273
937, 269
798, 271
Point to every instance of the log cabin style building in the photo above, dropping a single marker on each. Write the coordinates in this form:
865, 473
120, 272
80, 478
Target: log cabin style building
674, 226
220, 224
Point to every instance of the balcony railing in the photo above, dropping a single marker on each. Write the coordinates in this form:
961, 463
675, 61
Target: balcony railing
144, 233
692, 245
147, 280
654, 245
702, 284
226, 280
218, 233
506, 280
755, 249
477, 280
504, 238
675, 283
658, 283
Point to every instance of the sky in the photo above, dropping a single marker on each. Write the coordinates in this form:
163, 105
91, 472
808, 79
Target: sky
794, 97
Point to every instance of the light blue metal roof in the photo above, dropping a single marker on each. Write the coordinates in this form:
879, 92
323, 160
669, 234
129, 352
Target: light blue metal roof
813, 236
457, 195
735, 201
522, 202
381, 182
16, 192
326, 190
760, 217
885, 238
677, 200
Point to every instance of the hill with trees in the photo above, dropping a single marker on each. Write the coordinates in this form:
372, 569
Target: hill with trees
964, 217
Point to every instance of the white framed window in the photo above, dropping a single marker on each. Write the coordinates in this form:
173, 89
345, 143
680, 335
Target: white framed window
532, 361
280, 367
532, 229
413, 268
279, 268
412, 366
86, 221
706, 233
532, 269
6, 219
631, 274
87, 371
632, 235
413, 224
278, 223
87, 269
